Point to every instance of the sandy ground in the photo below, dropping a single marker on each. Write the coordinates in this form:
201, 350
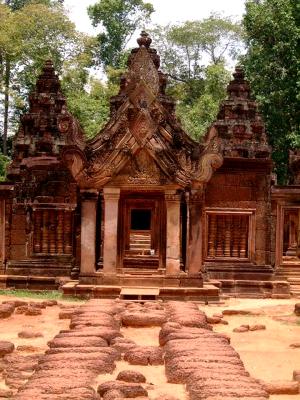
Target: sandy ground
266, 354
48, 324
157, 384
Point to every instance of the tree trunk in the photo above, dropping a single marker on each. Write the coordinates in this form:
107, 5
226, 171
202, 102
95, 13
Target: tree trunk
6, 104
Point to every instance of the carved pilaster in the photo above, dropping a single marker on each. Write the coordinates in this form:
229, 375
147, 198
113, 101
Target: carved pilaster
196, 203
173, 232
111, 207
88, 231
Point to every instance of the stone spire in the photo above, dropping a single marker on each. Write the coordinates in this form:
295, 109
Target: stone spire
47, 126
239, 88
239, 122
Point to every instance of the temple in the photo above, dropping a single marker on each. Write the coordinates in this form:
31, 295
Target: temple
143, 205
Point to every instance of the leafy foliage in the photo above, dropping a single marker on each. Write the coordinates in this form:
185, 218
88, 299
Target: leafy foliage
4, 160
91, 107
193, 56
32, 32
119, 20
273, 67
198, 114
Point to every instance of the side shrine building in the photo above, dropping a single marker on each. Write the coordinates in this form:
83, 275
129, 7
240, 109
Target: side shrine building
143, 205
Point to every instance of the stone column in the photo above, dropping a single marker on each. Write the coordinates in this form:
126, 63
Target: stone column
173, 232
195, 232
88, 232
110, 248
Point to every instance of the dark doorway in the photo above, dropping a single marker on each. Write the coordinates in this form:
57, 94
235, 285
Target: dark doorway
140, 220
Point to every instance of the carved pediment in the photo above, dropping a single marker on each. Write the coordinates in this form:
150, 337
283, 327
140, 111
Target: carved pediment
141, 170
144, 142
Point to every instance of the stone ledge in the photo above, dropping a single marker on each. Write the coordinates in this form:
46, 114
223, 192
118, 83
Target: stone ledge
207, 293
257, 289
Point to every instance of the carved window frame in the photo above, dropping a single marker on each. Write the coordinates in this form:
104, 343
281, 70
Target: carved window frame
46, 207
251, 233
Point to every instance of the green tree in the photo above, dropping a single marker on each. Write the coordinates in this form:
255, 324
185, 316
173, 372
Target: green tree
4, 160
194, 56
119, 20
32, 32
198, 114
273, 66
91, 106
187, 47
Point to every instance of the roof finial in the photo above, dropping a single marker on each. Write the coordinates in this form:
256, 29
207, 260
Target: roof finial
144, 40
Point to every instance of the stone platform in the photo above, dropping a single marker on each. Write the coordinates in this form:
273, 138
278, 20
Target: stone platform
207, 293
276, 289
30, 282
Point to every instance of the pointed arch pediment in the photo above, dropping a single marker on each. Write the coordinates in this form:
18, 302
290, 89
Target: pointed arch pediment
143, 140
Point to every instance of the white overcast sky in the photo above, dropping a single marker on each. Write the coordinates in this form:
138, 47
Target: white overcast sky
165, 11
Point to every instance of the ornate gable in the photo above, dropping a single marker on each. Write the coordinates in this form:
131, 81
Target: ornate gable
143, 137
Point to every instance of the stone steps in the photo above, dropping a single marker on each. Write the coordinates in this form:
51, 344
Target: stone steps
206, 294
291, 274
140, 245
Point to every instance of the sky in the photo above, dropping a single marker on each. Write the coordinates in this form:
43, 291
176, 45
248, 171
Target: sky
166, 11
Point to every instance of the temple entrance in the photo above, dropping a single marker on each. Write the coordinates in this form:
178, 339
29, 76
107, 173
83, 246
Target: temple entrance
141, 234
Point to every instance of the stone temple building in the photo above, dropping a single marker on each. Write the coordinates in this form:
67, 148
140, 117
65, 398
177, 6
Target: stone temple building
143, 205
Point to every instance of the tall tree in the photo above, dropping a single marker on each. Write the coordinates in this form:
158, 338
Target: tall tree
199, 112
186, 47
32, 32
273, 66
119, 19
194, 56
90, 105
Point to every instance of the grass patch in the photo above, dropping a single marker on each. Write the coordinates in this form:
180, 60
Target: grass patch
38, 294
